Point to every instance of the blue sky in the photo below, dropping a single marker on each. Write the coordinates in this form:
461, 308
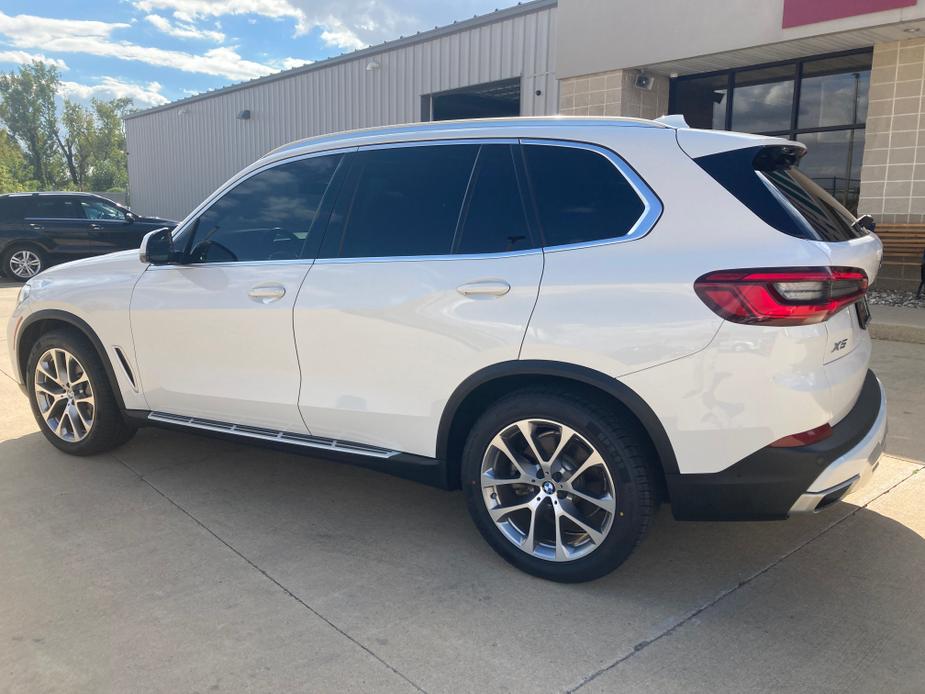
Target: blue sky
162, 50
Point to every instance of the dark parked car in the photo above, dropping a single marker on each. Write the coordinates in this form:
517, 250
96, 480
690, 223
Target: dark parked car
42, 229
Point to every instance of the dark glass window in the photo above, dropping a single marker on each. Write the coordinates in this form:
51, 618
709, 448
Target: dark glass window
834, 92
833, 161
406, 201
762, 100
265, 217
494, 219
13, 209
820, 101
55, 207
829, 220
580, 195
100, 209
702, 101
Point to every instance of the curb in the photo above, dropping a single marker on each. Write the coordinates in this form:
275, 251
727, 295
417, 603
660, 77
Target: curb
897, 332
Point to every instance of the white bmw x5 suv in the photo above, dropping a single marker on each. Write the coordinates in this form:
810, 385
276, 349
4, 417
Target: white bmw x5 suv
570, 319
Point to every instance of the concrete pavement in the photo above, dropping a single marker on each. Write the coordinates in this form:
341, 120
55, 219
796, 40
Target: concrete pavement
184, 564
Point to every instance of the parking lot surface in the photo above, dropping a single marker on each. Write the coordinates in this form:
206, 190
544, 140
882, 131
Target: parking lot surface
184, 564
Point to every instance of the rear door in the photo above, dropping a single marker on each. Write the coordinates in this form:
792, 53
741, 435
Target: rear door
62, 223
428, 273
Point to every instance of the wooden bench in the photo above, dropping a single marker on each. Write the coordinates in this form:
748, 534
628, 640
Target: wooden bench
902, 243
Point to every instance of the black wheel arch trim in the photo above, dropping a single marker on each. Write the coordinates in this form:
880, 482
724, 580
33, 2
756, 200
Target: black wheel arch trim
88, 332
580, 374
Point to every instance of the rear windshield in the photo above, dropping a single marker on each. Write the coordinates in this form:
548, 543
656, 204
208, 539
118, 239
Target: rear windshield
768, 182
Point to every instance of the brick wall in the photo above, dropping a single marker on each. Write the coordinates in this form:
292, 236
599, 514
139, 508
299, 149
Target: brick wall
612, 94
893, 171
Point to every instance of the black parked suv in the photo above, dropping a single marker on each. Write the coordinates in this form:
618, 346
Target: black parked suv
42, 229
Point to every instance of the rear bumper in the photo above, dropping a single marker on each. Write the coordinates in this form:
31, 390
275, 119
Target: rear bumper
772, 483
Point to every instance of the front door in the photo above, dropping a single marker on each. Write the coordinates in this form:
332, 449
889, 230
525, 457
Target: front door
213, 335
109, 229
427, 274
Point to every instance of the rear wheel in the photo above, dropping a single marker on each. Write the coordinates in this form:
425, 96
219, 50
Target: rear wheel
558, 485
23, 262
71, 398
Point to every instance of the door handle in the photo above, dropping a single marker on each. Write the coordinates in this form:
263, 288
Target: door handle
96, 227
485, 288
36, 227
267, 293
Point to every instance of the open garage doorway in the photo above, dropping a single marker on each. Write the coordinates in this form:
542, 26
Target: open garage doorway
487, 100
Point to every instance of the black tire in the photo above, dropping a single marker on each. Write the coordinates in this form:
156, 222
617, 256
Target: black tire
16, 248
109, 428
626, 452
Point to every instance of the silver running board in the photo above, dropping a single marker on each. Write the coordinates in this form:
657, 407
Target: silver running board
246, 431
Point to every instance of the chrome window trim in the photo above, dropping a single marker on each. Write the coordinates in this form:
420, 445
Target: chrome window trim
428, 258
652, 205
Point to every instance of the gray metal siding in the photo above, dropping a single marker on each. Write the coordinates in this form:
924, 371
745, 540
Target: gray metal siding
180, 154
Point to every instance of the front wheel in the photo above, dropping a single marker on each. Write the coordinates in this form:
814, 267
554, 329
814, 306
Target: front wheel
71, 397
23, 262
559, 485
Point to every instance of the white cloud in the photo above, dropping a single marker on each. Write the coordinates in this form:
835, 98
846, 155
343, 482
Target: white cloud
94, 38
24, 58
345, 24
112, 88
289, 63
183, 30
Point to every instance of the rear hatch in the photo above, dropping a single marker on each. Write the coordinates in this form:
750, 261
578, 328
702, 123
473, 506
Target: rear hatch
763, 174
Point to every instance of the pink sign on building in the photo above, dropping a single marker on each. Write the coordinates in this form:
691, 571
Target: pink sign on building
800, 12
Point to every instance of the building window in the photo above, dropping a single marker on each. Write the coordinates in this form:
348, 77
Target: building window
820, 101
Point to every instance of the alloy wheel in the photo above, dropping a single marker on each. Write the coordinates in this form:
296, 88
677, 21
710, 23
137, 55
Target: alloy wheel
64, 395
548, 490
25, 264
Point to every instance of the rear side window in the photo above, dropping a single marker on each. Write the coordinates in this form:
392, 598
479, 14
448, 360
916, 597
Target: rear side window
580, 195
51, 207
406, 202
13, 209
766, 180
493, 220
267, 216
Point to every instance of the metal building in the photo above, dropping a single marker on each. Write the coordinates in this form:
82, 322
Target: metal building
496, 64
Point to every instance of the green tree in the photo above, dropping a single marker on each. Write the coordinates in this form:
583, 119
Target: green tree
74, 146
28, 108
15, 172
110, 157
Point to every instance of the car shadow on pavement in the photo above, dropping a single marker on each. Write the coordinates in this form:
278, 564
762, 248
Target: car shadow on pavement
400, 567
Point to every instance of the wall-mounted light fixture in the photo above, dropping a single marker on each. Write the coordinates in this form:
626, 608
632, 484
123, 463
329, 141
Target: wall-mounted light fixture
372, 65
245, 114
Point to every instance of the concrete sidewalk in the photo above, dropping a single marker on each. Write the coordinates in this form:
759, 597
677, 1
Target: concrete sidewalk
897, 323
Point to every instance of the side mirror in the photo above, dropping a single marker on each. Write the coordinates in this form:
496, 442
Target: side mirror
157, 247
130, 217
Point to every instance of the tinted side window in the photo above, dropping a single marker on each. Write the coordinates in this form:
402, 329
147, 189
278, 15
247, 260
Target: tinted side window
580, 195
12, 209
406, 201
265, 217
50, 207
100, 209
494, 219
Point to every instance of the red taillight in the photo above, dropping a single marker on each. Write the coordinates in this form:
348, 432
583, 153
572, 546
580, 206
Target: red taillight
804, 438
781, 296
